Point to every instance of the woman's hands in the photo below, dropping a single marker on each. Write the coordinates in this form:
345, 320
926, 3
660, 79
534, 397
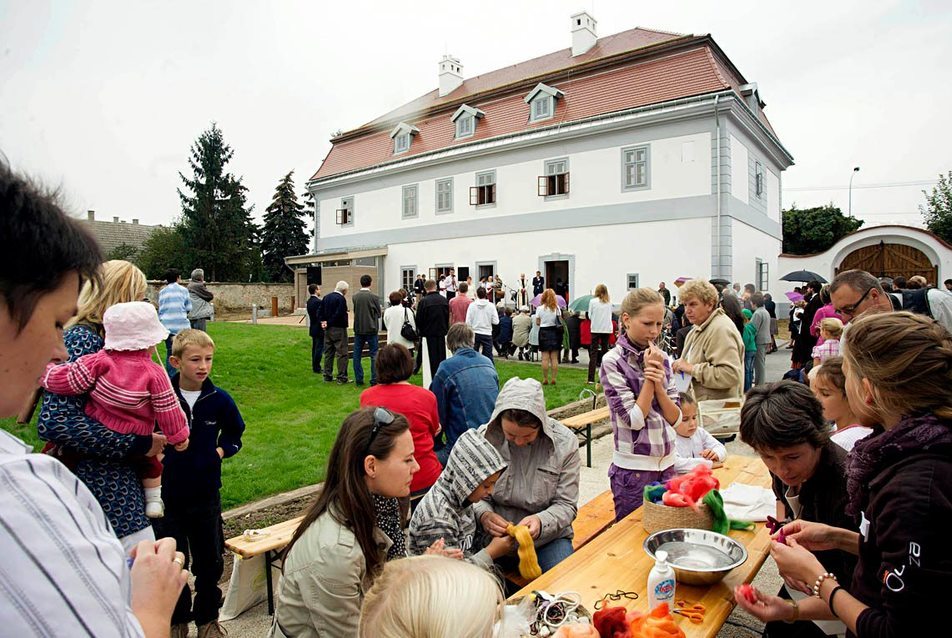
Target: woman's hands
534, 523
765, 608
157, 580
494, 524
159, 441
680, 365
795, 563
815, 537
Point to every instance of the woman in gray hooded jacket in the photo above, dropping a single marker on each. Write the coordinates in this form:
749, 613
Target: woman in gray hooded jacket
539, 489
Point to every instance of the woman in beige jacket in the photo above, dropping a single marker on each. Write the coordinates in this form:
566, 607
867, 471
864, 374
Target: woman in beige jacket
713, 352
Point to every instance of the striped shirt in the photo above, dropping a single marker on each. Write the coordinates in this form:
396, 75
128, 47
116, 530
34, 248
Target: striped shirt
128, 392
63, 572
174, 306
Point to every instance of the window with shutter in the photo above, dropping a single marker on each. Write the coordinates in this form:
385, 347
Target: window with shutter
555, 182
444, 195
345, 214
635, 168
484, 193
410, 201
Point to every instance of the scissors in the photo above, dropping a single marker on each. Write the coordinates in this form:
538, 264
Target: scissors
692, 611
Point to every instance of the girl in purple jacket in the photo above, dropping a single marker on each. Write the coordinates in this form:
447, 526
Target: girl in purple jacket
642, 396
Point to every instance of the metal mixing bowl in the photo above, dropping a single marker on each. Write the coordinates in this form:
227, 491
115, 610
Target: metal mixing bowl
699, 557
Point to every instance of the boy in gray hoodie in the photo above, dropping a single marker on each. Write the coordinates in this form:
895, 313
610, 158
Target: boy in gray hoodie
446, 512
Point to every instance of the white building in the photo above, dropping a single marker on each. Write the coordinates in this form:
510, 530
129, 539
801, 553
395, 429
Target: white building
629, 159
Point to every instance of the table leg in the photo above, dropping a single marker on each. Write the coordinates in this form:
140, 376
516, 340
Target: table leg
267, 566
588, 444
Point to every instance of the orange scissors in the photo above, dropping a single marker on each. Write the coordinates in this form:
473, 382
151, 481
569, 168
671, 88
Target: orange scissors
692, 611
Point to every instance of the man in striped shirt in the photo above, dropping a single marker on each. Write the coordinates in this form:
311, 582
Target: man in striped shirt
63, 572
174, 306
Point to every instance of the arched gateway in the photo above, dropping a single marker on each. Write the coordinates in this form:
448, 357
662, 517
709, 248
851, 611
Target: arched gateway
891, 260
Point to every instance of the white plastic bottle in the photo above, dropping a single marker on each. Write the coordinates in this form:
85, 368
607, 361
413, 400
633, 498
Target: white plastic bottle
661, 583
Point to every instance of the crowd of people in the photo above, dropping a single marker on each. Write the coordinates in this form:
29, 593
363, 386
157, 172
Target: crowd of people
423, 484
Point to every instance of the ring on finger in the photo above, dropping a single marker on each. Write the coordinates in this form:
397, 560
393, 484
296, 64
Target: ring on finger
179, 561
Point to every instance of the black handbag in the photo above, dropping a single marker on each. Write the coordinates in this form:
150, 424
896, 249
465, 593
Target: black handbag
407, 331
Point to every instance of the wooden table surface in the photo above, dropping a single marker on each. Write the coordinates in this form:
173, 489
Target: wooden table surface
616, 560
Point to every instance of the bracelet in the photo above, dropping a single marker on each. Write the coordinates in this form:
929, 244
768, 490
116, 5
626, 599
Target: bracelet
819, 582
829, 601
796, 611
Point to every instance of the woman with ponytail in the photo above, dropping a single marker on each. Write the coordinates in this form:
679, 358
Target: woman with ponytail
898, 369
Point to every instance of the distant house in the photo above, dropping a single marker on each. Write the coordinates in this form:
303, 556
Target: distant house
626, 160
112, 235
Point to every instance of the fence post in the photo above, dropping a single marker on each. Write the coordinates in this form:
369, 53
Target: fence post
274, 306
254, 314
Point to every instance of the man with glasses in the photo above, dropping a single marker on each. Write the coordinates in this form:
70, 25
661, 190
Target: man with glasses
854, 292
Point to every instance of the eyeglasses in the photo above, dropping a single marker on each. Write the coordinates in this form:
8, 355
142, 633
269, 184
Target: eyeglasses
849, 311
382, 417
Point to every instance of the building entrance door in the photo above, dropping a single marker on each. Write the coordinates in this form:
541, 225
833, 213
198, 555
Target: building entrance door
555, 272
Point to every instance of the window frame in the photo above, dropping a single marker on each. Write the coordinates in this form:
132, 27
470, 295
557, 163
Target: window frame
346, 212
625, 186
762, 270
549, 181
548, 100
403, 281
759, 185
474, 191
449, 193
413, 189
471, 120
396, 142
628, 277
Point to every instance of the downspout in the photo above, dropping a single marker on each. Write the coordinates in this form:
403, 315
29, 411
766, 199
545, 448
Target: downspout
717, 243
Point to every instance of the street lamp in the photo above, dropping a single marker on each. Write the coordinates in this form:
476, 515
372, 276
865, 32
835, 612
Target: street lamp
852, 175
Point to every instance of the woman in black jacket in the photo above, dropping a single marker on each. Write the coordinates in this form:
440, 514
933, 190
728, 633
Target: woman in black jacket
898, 370
784, 424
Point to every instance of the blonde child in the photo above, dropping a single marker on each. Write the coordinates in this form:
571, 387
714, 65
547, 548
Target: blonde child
694, 445
642, 395
831, 329
128, 392
828, 384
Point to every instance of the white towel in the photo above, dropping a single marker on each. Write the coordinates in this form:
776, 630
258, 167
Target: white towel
744, 502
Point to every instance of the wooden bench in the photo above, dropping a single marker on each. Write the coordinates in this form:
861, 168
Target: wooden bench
271, 543
592, 519
582, 424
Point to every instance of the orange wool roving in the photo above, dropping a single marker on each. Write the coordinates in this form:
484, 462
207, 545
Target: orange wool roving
528, 563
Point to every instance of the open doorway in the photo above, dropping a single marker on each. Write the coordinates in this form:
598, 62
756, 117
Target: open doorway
557, 277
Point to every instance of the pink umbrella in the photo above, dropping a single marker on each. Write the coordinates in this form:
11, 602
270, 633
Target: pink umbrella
537, 301
794, 297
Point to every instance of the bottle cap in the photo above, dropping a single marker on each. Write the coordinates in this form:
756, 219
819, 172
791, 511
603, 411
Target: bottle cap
661, 556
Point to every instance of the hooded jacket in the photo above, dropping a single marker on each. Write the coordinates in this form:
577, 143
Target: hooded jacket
542, 477
445, 512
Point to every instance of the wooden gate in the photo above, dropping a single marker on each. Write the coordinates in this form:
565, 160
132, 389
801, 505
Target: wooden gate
891, 260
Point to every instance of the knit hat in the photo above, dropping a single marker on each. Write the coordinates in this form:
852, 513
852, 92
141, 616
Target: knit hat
132, 326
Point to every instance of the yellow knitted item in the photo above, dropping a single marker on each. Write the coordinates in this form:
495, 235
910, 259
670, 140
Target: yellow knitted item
528, 563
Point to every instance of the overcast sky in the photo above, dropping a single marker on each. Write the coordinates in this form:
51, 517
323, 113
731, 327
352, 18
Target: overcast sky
105, 98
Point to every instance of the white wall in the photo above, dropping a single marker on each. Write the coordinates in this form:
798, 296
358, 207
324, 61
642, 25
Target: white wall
749, 245
679, 167
739, 185
602, 255
773, 195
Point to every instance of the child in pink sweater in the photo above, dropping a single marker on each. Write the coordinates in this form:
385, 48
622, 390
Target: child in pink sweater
128, 392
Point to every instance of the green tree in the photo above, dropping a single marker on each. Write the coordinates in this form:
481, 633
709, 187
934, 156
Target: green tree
937, 212
282, 233
164, 249
217, 229
123, 251
813, 230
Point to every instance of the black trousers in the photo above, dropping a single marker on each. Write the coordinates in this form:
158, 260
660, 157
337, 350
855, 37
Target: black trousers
596, 350
484, 344
435, 352
197, 530
317, 351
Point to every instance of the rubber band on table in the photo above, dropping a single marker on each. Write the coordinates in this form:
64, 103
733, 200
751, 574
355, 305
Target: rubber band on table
617, 596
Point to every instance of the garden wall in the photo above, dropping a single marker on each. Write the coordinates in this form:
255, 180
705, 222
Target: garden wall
235, 299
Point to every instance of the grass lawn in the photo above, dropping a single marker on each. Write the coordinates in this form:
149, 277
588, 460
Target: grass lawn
291, 415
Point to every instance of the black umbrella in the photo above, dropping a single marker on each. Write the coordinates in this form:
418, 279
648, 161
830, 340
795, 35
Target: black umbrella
804, 276
718, 280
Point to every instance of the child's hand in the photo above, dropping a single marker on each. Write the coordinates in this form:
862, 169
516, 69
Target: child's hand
221, 452
654, 355
710, 455
181, 447
654, 372
499, 547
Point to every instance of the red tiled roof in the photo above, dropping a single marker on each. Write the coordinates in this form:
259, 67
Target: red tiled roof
691, 69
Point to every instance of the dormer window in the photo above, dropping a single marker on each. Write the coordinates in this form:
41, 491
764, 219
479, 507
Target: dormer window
541, 101
402, 135
465, 120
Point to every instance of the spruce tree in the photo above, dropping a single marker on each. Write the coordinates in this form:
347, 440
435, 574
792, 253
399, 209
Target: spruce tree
283, 233
218, 232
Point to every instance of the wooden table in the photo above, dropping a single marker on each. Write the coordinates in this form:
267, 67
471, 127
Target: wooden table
616, 560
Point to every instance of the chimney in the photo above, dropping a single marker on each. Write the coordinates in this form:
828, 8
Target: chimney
135, 221
451, 75
583, 33
91, 215
115, 220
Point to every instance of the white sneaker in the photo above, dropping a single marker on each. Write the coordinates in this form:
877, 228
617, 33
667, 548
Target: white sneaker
155, 509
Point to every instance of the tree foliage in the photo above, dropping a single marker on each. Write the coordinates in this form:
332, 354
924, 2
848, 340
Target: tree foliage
813, 230
937, 212
123, 251
217, 230
164, 249
283, 231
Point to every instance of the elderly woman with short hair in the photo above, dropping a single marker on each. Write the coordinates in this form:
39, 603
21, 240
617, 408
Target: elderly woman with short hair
713, 351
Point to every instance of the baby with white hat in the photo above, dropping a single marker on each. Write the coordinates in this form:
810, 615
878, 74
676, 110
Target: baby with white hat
128, 392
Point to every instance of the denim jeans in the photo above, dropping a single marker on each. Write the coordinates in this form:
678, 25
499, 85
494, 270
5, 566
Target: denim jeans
372, 343
553, 553
750, 359
484, 344
168, 353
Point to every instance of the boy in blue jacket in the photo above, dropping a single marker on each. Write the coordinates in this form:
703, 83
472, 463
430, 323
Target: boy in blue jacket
191, 481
